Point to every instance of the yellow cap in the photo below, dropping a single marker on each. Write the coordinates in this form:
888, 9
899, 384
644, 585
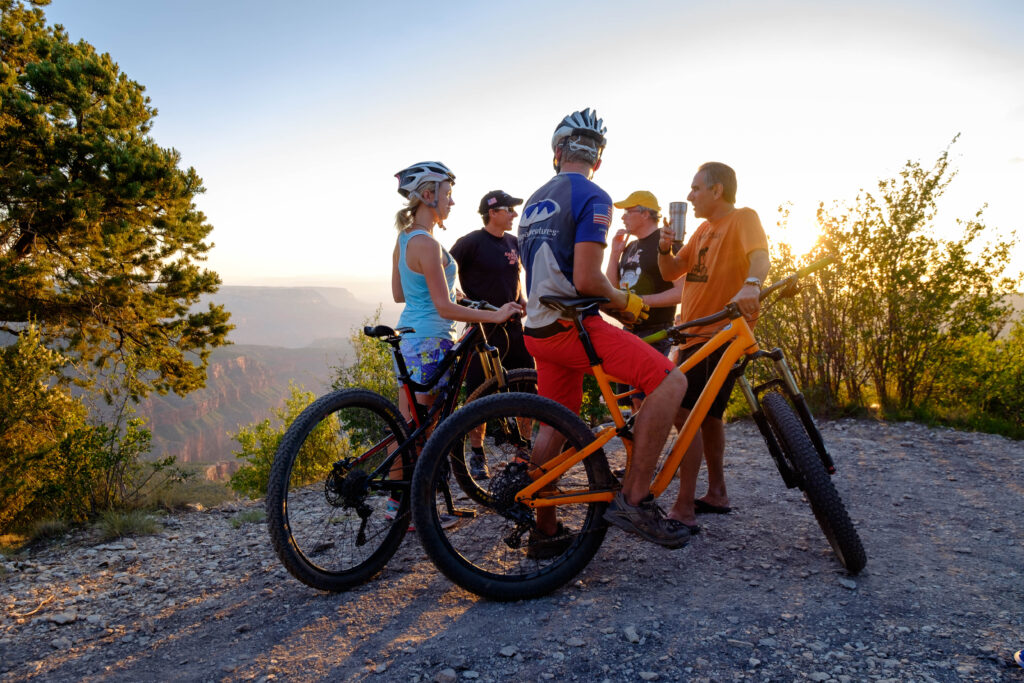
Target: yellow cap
639, 198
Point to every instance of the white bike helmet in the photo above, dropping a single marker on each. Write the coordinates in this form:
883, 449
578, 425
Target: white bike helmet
412, 177
580, 123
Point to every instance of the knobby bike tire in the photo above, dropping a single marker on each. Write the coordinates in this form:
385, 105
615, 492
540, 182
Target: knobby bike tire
815, 482
330, 519
488, 548
522, 380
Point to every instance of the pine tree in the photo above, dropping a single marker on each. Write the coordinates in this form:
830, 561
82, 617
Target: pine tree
99, 233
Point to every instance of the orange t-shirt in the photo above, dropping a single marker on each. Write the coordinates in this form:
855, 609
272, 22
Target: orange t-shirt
716, 263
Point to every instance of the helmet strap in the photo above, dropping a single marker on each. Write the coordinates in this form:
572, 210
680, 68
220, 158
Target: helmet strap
433, 205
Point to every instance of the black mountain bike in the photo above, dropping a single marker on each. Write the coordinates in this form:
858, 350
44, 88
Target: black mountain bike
339, 490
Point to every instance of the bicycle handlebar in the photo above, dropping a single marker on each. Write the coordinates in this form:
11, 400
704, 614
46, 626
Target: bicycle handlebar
478, 305
800, 274
730, 309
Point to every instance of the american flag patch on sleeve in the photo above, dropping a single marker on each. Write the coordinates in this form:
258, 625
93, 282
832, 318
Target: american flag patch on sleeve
602, 214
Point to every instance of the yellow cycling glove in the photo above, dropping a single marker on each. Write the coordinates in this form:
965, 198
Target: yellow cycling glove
635, 307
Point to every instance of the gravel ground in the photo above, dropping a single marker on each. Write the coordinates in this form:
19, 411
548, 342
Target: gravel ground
757, 596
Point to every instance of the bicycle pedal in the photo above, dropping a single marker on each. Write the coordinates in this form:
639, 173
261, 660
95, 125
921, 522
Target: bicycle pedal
463, 512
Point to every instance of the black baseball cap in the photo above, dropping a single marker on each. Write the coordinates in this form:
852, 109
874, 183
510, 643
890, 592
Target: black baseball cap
495, 199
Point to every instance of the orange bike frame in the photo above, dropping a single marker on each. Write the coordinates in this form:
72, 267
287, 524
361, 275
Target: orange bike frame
739, 341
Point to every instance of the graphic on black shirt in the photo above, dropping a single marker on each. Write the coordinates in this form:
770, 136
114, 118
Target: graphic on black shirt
638, 270
489, 267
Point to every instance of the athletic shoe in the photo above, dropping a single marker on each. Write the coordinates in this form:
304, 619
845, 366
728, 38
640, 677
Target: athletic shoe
540, 546
646, 521
391, 511
478, 466
1018, 657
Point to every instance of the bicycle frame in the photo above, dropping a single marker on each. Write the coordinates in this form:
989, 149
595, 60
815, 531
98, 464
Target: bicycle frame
473, 340
740, 343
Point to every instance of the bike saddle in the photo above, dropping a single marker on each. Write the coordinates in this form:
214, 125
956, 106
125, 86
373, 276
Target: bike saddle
571, 305
385, 331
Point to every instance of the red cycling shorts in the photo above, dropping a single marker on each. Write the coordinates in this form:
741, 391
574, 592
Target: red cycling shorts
562, 362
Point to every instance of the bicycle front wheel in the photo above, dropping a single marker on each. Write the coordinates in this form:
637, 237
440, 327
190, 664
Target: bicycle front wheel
521, 380
815, 482
337, 509
493, 547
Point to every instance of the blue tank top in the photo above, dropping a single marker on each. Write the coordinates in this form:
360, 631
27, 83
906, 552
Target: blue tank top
419, 312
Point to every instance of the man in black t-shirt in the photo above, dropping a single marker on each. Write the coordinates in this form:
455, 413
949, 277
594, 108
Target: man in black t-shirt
635, 266
489, 269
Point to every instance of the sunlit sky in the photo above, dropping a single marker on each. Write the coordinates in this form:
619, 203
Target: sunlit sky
297, 116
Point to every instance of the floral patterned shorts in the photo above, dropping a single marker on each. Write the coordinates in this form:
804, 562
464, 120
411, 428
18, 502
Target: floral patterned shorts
422, 358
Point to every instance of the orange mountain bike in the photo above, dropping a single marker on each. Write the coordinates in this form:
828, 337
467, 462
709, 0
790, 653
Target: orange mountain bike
489, 551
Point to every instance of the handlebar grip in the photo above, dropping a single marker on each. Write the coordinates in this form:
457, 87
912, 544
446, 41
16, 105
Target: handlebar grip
817, 265
802, 273
656, 337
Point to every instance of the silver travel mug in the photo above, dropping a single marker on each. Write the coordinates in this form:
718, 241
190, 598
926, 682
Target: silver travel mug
677, 219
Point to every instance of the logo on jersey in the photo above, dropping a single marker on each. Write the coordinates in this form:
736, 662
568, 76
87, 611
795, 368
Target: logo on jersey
602, 215
541, 211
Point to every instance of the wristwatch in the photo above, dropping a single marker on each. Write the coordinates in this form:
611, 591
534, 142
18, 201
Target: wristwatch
753, 281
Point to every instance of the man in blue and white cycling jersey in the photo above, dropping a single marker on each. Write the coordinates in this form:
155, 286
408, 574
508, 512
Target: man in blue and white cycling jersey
562, 237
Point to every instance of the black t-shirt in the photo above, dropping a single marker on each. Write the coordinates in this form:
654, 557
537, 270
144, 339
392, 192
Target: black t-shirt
489, 266
638, 268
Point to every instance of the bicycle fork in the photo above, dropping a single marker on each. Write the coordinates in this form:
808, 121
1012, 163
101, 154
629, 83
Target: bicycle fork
787, 382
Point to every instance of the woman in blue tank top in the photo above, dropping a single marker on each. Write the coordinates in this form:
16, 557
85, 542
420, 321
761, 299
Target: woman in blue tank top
423, 275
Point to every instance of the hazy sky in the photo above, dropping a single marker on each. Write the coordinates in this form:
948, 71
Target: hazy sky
298, 115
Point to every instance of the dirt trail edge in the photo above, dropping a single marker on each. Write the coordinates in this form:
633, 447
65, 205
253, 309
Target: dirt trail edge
757, 596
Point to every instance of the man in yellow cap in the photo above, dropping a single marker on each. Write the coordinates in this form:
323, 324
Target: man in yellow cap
633, 265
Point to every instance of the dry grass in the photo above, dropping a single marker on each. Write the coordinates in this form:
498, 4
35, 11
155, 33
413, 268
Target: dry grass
251, 516
118, 524
179, 495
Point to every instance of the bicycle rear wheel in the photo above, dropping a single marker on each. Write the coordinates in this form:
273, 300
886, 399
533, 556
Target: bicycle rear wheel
335, 514
815, 482
522, 380
493, 548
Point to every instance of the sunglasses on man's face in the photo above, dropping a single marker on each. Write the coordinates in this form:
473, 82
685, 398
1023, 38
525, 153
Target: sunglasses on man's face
506, 208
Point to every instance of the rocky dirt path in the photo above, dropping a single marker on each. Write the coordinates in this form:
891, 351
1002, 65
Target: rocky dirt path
758, 596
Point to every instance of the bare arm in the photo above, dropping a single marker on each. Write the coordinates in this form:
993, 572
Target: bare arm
612, 270
425, 256
672, 266
748, 298
396, 277
670, 297
588, 278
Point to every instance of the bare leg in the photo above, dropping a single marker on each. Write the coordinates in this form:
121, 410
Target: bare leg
713, 434
548, 445
689, 468
476, 436
406, 410
651, 430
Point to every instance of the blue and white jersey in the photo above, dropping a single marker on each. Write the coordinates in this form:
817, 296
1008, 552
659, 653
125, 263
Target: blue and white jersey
566, 210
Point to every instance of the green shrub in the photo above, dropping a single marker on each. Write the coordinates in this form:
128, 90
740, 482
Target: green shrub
36, 416
259, 442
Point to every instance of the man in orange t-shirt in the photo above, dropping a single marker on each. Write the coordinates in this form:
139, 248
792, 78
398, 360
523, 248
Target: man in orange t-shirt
725, 260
